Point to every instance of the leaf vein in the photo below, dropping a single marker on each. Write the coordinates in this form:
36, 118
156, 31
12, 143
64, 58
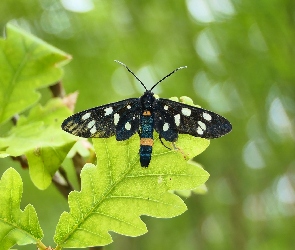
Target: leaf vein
118, 219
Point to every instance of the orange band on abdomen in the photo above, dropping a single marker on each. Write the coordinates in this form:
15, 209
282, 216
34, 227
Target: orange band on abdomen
148, 113
146, 141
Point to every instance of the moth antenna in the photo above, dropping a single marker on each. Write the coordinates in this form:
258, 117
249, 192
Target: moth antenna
131, 73
183, 67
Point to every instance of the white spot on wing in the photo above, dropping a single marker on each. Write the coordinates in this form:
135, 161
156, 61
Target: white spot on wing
86, 116
128, 126
200, 131
177, 119
128, 106
186, 111
165, 126
93, 130
202, 125
207, 116
116, 118
166, 107
90, 124
108, 111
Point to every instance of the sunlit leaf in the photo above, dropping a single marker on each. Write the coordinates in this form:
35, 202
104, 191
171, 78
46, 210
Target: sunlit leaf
27, 63
41, 139
117, 191
16, 226
45, 161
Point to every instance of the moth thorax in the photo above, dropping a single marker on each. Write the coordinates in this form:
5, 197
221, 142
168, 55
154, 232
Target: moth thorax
147, 101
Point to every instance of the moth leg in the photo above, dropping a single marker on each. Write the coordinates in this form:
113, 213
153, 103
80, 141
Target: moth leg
185, 156
174, 146
163, 143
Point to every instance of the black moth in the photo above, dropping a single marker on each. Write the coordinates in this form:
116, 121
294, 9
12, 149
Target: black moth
143, 115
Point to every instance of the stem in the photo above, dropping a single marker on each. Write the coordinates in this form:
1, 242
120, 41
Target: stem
41, 246
22, 159
61, 181
78, 162
57, 90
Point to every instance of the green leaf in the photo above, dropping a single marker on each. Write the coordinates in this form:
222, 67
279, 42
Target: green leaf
83, 147
16, 226
202, 189
3, 154
27, 63
41, 139
44, 162
117, 191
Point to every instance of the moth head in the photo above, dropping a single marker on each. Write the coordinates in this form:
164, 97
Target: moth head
147, 100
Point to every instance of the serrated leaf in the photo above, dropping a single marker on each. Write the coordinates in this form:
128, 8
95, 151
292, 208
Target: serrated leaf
16, 226
40, 128
40, 138
117, 191
27, 63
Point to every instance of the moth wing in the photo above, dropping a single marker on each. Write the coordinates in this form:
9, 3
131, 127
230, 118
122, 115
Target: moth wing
128, 123
103, 121
186, 119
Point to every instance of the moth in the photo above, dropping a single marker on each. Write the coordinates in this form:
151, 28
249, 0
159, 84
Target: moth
143, 115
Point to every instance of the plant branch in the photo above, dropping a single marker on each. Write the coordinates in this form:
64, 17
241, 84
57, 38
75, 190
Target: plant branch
78, 162
61, 181
22, 159
57, 90
41, 246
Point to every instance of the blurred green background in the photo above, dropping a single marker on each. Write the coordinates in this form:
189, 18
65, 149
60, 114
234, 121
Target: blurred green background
240, 56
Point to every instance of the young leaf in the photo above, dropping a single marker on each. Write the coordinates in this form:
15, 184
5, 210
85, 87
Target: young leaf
117, 191
40, 138
16, 226
45, 161
27, 63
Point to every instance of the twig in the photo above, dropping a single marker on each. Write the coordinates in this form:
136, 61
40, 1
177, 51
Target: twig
22, 160
78, 162
57, 90
61, 181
